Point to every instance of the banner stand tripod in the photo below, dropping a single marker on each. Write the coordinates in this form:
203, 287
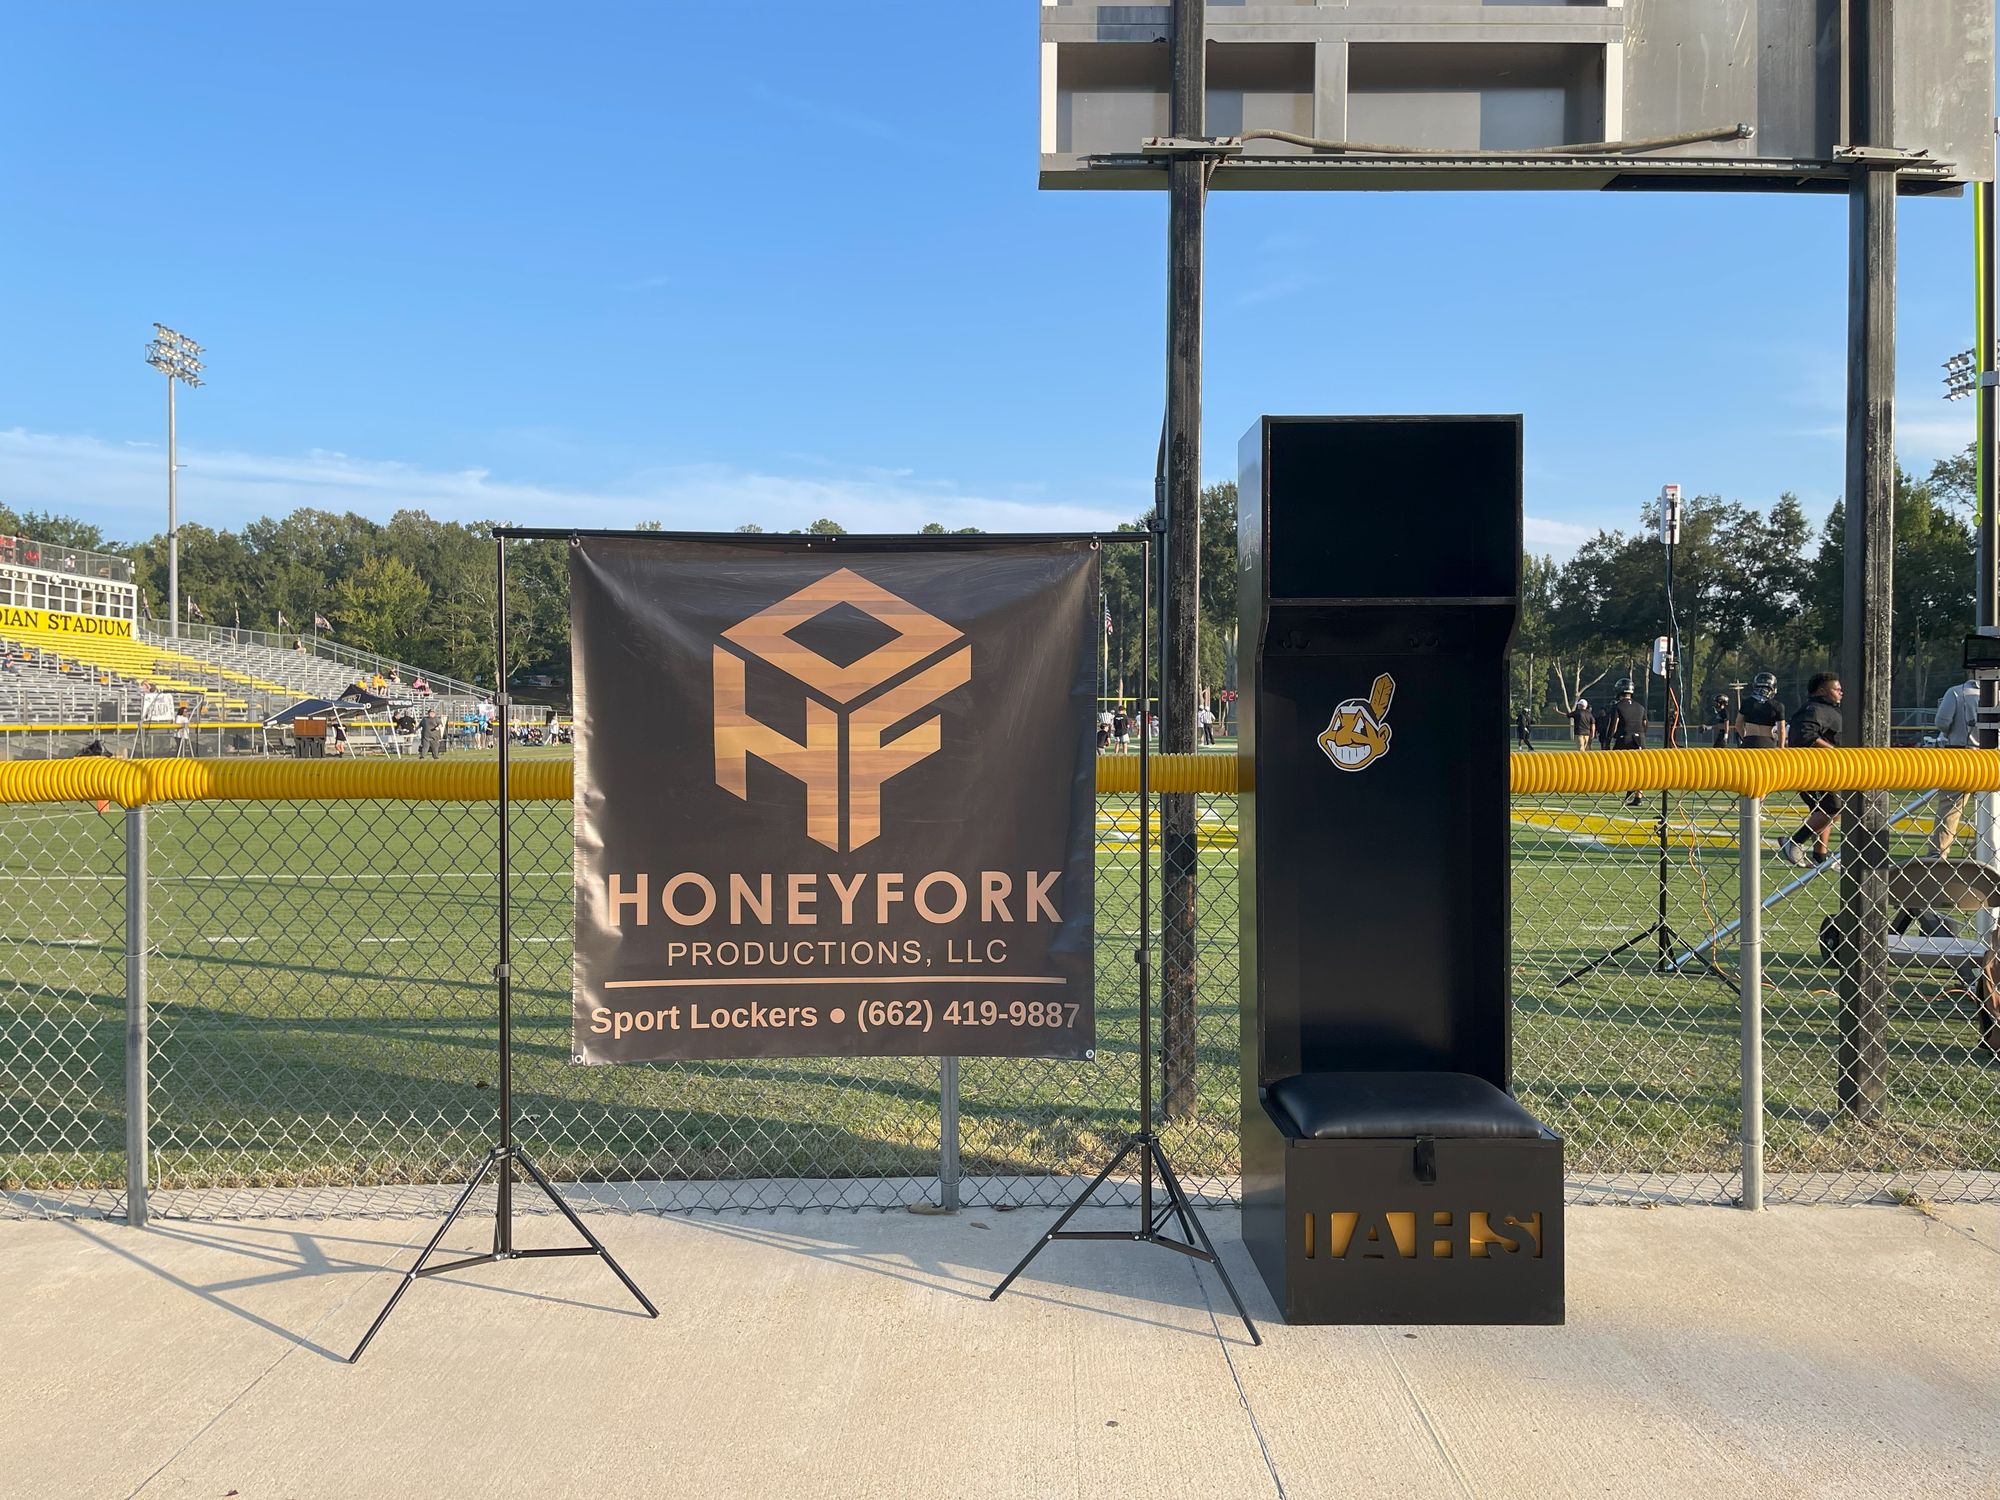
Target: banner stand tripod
504, 1156
1143, 1143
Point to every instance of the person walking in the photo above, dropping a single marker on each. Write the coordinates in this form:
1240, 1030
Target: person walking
1628, 726
1760, 718
1206, 720
1524, 729
1606, 722
1957, 717
1719, 717
430, 735
1580, 722
1815, 726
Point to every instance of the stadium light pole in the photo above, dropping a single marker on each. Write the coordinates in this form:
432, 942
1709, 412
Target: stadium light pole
174, 355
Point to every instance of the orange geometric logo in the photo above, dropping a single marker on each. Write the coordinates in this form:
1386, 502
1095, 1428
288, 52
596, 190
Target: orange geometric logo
1358, 734
869, 697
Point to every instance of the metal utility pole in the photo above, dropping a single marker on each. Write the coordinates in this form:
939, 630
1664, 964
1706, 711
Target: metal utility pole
1972, 373
1866, 660
1187, 190
1670, 536
175, 356
1986, 586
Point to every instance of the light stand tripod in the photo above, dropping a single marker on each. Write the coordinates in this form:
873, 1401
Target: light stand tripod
1660, 930
505, 1155
1145, 1141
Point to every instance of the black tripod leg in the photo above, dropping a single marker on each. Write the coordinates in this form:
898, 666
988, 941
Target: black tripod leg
429, 1250
1192, 1219
1175, 1203
595, 1244
1067, 1214
1604, 958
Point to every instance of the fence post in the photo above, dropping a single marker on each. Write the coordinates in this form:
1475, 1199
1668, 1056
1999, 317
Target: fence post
1750, 963
137, 1063
948, 1168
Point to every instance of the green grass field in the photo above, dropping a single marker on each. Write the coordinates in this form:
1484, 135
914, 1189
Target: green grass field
323, 1014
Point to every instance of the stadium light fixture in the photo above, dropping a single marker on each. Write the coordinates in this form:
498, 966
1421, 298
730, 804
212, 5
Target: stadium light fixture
1961, 378
178, 357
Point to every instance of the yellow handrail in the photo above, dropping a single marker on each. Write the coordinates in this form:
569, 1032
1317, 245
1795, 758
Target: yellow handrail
1744, 773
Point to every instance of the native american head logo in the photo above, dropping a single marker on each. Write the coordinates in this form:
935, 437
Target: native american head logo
1358, 734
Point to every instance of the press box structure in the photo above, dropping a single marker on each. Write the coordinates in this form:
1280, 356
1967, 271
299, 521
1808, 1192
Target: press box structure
1506, 77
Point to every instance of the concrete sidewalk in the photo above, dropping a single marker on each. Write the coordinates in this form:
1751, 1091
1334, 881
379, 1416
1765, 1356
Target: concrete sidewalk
1851, 1351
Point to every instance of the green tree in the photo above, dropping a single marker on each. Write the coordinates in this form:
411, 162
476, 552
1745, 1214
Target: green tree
1532, 681
1931, 593
380, 606
60, 531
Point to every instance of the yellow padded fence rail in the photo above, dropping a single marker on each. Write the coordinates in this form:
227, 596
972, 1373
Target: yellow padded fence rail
1755, 773
136, 783
1744, 773
1169, 773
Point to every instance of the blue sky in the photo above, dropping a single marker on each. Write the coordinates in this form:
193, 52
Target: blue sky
712, 264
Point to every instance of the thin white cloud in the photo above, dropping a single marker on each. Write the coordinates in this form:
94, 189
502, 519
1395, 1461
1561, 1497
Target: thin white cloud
1555, 536
1935, 437
118, 486
825, 116
1282, 286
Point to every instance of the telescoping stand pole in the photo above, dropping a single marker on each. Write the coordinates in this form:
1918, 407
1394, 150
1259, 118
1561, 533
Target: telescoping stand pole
1145, 1141
503, 1157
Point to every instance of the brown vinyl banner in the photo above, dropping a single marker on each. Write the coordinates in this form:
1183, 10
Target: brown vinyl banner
833, 798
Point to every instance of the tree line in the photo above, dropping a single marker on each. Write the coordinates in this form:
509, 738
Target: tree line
1753, 591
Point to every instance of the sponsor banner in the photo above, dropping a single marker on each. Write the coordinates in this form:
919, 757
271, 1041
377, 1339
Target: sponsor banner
53, 622
833, 799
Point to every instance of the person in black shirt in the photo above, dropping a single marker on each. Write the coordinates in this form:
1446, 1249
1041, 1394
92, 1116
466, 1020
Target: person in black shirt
1628, 726
1605, 721
1523, 726
1816, 725
1760, 722
1579, 723
1718, 714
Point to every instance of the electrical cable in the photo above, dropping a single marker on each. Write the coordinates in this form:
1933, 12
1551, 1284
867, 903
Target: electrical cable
1738, 132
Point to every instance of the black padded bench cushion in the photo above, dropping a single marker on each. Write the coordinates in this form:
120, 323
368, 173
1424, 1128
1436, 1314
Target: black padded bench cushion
1342, 1106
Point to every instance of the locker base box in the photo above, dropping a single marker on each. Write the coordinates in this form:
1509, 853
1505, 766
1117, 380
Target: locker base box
1402, 1198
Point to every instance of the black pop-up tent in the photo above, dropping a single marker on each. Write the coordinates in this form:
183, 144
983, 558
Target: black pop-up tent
305, 708
357, 710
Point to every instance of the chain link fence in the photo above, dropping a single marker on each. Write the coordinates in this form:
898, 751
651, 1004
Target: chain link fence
1629, 1035
62, 1010
322, 1032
